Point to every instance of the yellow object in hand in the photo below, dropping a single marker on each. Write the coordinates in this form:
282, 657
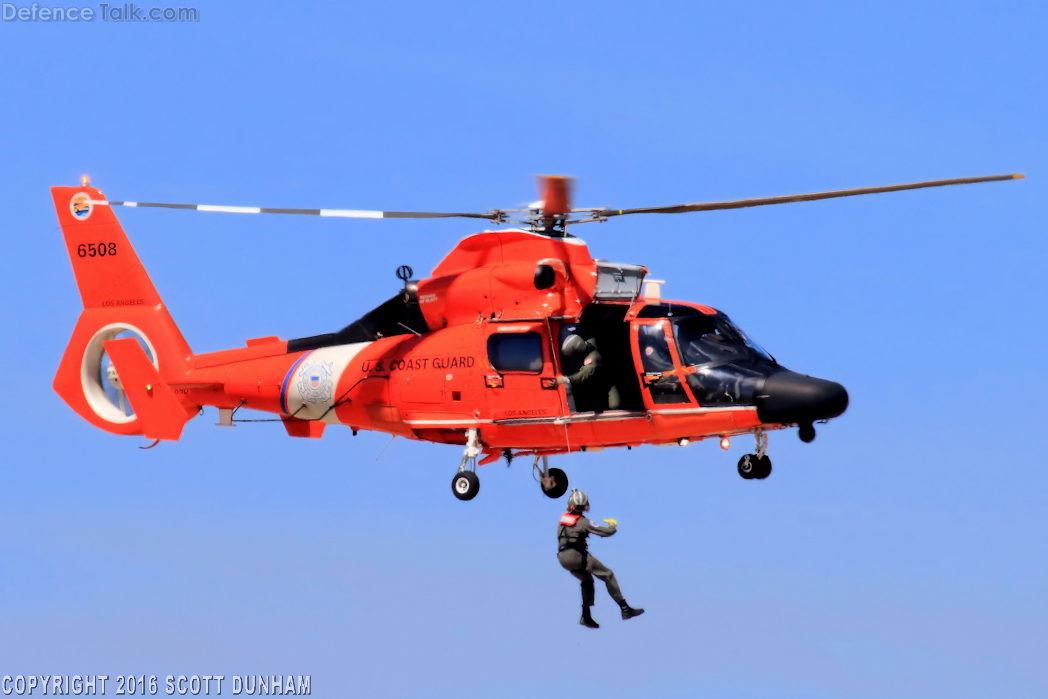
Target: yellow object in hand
612, 522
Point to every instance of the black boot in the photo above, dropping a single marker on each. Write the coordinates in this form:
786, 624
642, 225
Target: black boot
587, 620
629, 612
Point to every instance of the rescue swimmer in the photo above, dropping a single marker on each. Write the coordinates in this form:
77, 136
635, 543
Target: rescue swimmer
573, 554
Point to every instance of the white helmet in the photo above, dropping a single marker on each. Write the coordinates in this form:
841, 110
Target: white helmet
573, 345
577, 500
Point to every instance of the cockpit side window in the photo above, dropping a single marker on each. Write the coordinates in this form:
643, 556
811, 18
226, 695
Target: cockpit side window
655, 359
654, 350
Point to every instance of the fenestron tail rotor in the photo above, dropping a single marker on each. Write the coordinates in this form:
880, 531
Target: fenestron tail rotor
553, 213
114, 382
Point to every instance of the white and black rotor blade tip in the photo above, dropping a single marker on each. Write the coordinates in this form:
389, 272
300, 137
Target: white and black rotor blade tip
326, 213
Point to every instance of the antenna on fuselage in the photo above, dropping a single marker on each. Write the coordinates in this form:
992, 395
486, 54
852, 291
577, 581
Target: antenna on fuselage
404, 274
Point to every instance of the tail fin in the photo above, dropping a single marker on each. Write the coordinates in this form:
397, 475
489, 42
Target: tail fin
119, 300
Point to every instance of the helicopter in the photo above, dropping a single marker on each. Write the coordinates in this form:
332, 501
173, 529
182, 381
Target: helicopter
474, 355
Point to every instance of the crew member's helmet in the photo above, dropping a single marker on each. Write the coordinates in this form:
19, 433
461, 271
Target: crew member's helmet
573, 345
577, 500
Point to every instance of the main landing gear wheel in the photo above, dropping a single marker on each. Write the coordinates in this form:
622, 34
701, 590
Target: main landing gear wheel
553, 481
465, 485
756, 467
560, 484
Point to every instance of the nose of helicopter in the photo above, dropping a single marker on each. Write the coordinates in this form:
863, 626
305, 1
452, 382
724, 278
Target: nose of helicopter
789, 397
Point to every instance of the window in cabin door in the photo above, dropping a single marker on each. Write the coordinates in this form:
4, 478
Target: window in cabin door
516, 352
656, 360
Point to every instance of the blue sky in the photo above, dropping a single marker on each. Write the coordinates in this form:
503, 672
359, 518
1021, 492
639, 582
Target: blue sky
901, 554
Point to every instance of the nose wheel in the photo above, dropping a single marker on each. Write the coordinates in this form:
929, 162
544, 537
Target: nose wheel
752, 466
756, 466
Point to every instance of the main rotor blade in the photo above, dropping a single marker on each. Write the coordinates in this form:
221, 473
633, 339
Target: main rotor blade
335, 213
790, 198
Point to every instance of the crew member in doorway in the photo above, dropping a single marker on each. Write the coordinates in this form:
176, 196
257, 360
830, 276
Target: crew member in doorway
589, 385
573, 553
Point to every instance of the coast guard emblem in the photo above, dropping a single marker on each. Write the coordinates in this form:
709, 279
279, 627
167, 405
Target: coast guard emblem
314, 382
80, 206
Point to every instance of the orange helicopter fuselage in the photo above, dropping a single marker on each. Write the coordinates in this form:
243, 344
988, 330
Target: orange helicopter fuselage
482, 352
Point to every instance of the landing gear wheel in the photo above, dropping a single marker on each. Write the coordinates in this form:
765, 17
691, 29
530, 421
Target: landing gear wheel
763, 467
806, 433
752, 466
465, 485
560, 484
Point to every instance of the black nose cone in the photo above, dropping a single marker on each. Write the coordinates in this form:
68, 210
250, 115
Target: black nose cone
789, 397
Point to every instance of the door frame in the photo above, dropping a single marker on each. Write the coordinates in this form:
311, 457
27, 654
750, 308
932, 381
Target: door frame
679, 370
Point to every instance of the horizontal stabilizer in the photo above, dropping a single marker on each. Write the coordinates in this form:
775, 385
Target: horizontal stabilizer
159, 412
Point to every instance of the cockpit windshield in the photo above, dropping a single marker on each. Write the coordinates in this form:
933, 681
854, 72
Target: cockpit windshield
729, 366
713, 339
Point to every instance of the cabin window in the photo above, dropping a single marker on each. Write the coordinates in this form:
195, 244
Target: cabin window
516, 352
